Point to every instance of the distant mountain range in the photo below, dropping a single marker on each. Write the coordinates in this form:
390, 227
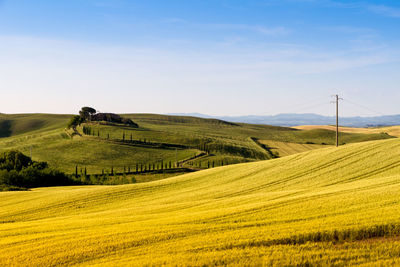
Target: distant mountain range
305, 119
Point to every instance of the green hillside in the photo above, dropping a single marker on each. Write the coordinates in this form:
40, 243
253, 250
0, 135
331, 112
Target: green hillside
17, 124
158, 139
331, 206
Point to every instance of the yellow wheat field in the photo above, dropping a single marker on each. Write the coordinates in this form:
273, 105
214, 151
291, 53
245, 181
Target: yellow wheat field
333, 206
391, 130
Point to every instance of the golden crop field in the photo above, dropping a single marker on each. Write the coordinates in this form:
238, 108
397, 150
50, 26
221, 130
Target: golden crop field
391, 130
331, 206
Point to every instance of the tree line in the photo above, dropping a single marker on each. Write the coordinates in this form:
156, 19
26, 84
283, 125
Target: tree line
141, 168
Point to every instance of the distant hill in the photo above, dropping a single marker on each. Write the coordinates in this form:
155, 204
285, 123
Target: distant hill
306, 119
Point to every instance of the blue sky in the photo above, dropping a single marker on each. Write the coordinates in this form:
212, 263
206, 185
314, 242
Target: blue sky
219, 57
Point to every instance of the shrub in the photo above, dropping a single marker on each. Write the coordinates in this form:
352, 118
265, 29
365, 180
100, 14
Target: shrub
14, 160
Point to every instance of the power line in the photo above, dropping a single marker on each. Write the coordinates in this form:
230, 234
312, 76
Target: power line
364, 107
316, 102
308, 107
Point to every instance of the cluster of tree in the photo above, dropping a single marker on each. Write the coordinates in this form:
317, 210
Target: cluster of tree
114, 118
87, 114
89, 131
19, 170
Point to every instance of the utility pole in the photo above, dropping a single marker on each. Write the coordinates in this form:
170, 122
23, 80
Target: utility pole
337, 98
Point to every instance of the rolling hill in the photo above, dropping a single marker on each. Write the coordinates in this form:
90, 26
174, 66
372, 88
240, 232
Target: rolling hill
159, 139
331, 206
18, 124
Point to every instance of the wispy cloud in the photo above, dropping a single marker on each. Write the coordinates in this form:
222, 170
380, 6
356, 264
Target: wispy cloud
107, 3
253, 28
384, 10
35, 67
174, 20
381, 9
346, 29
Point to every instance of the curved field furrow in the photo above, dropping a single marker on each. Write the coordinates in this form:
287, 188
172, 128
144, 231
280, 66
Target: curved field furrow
334, 206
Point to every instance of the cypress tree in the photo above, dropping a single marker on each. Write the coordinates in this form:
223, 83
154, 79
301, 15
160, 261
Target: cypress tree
108, 136
85, 172
76, 171
112, 170
213, 164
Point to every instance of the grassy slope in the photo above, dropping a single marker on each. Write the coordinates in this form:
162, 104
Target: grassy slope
287, 148
45, 134
191, 130
64, 153
194, 127
17, 124
243, 214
